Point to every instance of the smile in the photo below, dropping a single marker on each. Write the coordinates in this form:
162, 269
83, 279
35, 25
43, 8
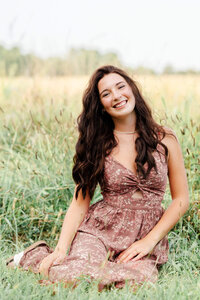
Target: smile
120, 104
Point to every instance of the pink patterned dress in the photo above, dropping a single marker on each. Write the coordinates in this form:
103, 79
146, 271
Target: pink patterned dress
111, 226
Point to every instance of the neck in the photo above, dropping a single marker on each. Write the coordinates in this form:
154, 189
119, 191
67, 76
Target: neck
124, 132
127, 124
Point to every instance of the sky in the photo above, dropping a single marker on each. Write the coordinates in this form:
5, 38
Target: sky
152, 33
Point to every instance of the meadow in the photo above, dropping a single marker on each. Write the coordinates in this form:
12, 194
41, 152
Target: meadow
37, 143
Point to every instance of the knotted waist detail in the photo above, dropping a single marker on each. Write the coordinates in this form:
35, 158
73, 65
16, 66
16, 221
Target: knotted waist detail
132, 184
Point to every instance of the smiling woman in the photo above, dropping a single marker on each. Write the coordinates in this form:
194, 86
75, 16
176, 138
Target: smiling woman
116, 95
121, 148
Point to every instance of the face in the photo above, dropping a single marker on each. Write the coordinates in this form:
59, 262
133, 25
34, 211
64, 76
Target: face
116, 95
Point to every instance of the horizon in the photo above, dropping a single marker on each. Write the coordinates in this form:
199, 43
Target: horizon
171, 69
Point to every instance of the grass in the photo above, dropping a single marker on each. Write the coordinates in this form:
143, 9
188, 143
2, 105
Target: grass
37, 138
178, 279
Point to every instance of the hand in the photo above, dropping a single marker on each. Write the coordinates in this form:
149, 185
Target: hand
136, 250
53, 258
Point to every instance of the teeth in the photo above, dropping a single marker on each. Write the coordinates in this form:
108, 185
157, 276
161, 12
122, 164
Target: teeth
120, 104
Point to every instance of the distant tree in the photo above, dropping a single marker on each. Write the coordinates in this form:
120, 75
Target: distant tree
83, 61
189, 72
144, 70
168, 69
78, 61
14, 63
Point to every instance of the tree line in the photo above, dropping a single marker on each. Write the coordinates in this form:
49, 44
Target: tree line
77, 62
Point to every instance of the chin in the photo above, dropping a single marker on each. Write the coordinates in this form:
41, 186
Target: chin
121, 116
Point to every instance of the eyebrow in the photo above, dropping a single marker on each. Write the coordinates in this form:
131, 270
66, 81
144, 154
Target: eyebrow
115, 85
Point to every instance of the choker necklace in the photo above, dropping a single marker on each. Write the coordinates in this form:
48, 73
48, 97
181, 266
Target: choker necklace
124, 132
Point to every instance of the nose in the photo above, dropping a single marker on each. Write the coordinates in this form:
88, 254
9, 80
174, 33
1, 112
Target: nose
116, 94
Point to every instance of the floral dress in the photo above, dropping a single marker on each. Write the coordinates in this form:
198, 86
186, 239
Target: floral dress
111, 226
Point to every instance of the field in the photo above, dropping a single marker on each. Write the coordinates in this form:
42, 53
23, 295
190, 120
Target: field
37, 139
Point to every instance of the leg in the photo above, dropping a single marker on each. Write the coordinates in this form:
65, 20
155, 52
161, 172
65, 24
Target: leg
139, 271
15, 259
24, 256
86, 255
32, 258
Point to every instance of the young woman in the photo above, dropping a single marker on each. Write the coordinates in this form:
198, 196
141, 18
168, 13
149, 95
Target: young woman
121, 148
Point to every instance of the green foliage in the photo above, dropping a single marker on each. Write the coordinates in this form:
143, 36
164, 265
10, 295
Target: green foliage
77, 62
14, 63
179, 278
36, 188
82, 61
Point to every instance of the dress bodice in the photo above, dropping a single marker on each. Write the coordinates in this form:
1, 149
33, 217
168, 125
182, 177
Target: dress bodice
121, 181
120, 218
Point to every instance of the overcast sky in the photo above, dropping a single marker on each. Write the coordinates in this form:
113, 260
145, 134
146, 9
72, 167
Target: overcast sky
152, 33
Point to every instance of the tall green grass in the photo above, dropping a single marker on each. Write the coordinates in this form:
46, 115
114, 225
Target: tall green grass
37, 144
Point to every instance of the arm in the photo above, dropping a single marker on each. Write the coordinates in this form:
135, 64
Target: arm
179, 205
73, 218
179, 192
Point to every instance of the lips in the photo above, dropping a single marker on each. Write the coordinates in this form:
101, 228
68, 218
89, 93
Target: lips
120, 104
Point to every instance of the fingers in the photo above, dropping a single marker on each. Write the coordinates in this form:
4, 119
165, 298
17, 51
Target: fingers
46, 264
122, 255
43, 269
139, 256
48, 261
135, 252
130, 255
126, 256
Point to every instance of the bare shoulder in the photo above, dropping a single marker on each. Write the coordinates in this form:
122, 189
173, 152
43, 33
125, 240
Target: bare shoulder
170, 136
171, 141
176, 168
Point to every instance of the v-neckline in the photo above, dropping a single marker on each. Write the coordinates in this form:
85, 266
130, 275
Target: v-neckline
116, 161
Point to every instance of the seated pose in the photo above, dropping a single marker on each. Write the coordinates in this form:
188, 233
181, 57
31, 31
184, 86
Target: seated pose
120, 147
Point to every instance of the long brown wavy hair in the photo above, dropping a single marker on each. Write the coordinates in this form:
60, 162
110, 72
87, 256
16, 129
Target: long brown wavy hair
96, 139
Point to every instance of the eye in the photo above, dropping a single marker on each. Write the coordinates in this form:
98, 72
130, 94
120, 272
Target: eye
106, 94
121, 86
